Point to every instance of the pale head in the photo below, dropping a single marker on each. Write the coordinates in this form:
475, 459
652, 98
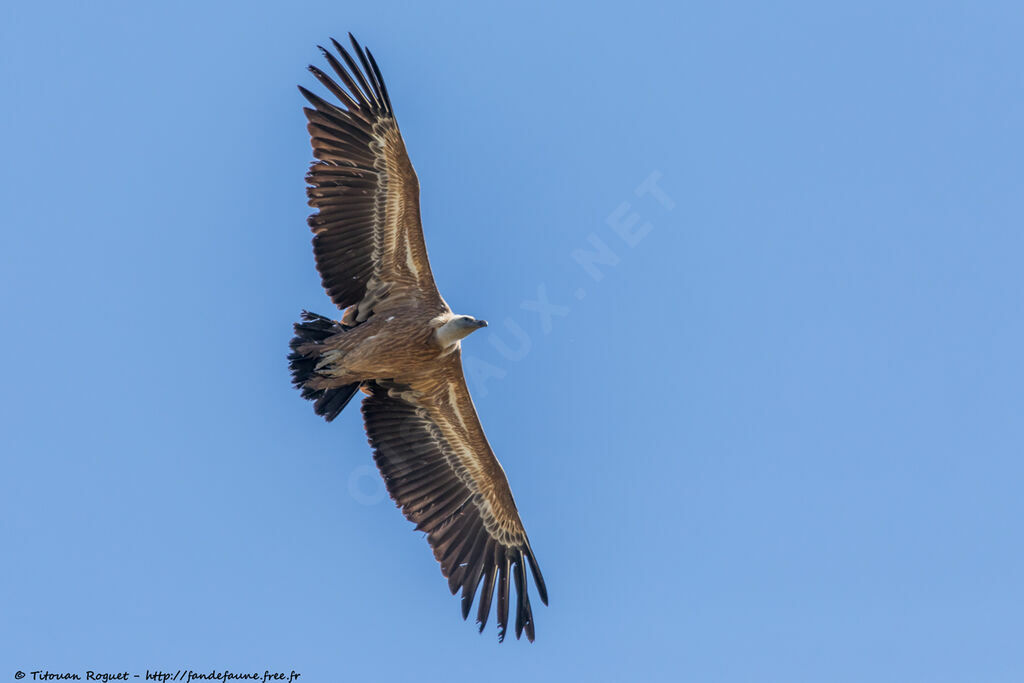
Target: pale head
459, 327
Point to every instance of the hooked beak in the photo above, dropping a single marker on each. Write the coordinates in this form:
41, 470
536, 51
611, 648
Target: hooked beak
481, 323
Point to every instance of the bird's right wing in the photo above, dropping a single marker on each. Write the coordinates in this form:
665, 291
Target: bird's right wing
368, 241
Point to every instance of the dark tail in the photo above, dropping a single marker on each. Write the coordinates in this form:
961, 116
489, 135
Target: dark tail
314, 329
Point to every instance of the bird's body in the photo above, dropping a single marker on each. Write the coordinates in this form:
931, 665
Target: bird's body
400, 343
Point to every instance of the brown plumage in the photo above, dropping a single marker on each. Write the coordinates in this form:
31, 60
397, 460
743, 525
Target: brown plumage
400, 342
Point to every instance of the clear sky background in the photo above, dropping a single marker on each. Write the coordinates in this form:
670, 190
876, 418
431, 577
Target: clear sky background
780, 438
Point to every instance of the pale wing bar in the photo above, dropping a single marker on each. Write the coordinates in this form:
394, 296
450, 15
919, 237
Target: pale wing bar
424, 477
363, 185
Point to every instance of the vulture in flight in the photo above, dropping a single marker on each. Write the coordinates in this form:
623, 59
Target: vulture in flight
400, 343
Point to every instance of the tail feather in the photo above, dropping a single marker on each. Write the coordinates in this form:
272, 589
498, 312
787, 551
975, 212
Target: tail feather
314, 329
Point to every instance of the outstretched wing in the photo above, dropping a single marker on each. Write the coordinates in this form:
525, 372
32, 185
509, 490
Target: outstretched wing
368, 240
439, 468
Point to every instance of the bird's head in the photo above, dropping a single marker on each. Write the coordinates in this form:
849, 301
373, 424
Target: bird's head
459, 327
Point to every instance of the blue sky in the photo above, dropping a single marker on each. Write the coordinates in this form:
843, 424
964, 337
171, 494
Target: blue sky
778, 439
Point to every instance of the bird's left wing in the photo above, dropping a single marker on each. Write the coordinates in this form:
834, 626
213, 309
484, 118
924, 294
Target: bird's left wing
439, 468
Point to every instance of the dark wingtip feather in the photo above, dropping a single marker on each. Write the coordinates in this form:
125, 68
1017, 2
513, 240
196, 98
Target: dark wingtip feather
314, 99
365, 91
520, 579
486, 591
355, 43
476, 567
380, 80
542, 589
469, 590
530, 633
503, 585
368, 71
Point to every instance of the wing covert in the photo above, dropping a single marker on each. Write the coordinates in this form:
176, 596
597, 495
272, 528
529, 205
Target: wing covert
448, 482
368, 240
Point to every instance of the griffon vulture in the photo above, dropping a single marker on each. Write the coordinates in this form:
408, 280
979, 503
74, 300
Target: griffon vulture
399, 342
